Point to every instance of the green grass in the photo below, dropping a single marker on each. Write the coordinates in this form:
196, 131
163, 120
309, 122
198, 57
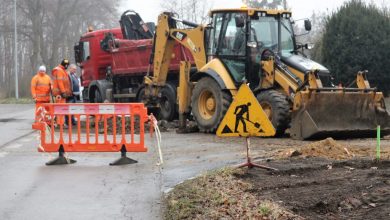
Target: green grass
16, 101
264, 210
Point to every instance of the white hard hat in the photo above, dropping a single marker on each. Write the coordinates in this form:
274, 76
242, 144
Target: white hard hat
42, 69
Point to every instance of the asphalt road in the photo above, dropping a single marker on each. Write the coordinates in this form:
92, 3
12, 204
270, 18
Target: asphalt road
91, 189
15, 122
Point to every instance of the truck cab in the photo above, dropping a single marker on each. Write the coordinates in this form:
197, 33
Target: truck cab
92, 59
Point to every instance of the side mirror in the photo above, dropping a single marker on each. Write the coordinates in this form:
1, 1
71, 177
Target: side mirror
309, 46
307, 25
252, 44
240, 21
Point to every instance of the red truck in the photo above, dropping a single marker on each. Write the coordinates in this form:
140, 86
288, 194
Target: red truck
114, 62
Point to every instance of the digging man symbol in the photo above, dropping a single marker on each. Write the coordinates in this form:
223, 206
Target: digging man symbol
240, 111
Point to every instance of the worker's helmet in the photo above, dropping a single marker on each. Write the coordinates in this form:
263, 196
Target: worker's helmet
42, 69
65, 63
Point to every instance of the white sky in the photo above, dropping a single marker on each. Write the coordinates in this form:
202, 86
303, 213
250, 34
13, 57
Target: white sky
150, 9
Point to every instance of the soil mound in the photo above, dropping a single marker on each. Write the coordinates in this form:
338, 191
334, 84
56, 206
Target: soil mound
330, 149
327, 148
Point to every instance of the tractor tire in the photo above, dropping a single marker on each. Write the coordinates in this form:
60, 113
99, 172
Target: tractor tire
276, 106
209, 104
168, 103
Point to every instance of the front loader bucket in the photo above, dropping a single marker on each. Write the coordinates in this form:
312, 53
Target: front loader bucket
339, 115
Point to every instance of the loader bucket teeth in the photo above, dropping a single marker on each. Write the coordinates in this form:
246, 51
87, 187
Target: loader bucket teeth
338, 115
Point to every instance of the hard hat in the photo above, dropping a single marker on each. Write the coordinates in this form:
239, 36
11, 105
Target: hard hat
42, 69
65, 63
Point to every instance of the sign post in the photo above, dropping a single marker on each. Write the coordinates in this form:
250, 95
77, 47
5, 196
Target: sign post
246, 118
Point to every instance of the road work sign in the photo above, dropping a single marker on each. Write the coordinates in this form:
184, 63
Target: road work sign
245, 117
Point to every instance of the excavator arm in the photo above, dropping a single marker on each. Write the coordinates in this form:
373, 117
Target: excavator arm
167, 35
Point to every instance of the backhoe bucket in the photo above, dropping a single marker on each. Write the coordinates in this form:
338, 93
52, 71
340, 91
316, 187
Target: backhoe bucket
338, 114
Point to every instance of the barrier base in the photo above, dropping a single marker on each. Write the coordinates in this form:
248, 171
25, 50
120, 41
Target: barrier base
123, 160
60, 160
250, 165
249, 162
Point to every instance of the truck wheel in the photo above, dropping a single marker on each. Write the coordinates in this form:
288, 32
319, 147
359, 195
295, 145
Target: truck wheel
98, 97
141, 96
276, 106
209, 104
167, 103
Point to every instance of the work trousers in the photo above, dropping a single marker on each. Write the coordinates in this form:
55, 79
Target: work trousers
70, 100
60, 118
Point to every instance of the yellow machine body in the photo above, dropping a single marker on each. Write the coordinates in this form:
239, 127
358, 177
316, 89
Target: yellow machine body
288, 86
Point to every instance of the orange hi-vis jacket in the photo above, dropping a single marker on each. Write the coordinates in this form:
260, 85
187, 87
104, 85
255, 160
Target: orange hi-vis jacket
40, 87
61, 81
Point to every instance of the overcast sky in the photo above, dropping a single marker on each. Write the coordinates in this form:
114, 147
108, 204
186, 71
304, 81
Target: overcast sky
150, 9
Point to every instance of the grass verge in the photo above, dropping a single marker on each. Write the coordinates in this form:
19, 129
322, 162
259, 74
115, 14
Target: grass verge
16, 101
220, 195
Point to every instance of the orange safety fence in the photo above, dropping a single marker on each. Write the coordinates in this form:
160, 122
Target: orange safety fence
104, 127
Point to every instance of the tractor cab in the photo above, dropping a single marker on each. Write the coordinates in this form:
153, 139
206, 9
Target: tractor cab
241, 38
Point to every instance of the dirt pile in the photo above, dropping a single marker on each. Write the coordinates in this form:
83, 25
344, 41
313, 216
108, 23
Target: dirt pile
327, 148
331, 149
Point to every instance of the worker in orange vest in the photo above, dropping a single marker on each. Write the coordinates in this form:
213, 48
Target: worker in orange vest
61, 86
40, 89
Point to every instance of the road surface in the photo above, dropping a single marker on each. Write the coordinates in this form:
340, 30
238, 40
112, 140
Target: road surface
15, 122
91, 189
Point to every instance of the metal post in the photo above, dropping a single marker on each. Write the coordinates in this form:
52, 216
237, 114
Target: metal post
16, 55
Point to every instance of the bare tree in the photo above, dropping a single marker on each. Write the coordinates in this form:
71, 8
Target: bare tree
192, 10
280, 4
47, 31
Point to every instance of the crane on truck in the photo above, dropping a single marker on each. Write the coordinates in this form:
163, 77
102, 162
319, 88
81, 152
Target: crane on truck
114, 62
258, 47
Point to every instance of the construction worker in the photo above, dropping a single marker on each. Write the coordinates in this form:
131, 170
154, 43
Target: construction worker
75, 90
40, 89
61, 86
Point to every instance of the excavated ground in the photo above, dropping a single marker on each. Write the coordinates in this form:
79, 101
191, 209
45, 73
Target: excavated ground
325, 179
322, 189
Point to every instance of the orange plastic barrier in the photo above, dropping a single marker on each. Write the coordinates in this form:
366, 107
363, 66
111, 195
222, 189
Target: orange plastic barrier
123, 120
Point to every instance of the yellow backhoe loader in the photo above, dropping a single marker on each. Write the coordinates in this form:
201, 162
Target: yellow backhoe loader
258, 47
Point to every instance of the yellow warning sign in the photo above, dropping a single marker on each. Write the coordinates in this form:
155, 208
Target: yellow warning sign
245, 117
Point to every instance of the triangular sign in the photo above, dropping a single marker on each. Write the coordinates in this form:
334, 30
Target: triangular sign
245, 117
226, 130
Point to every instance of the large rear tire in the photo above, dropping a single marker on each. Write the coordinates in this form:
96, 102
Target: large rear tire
209, 104
276, 106
168, 103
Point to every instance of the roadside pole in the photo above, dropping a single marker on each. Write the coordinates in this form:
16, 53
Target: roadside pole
16, 55
378, 143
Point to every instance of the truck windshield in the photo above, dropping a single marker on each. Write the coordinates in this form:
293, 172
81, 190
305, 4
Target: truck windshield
264, 30
85, 50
